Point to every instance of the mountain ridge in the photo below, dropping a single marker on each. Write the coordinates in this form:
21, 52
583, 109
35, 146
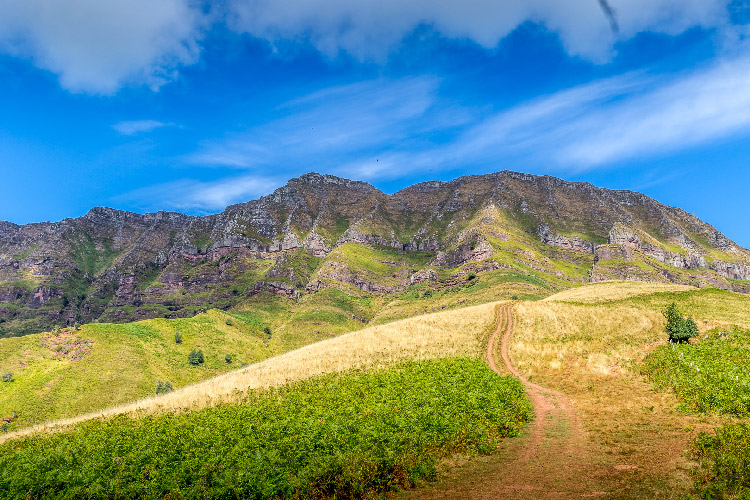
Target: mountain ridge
314, 232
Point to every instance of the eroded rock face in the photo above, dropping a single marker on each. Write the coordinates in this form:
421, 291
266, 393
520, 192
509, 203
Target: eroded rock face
470, 250
127, 291
549, 237
613, 252
732, 270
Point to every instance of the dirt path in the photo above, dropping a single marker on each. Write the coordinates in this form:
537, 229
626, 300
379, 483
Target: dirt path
549, 461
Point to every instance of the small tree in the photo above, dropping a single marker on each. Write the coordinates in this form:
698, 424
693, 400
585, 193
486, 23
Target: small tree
228, 358
163, 387
267, 331
195, 357
8, 377
178, 338
679, 328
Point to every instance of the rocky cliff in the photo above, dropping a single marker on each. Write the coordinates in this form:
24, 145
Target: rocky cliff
322, 231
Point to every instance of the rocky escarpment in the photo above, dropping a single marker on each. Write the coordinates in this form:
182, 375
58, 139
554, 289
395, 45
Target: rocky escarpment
115, 265
621, 242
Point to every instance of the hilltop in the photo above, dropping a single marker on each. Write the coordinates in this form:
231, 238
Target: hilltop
534, 234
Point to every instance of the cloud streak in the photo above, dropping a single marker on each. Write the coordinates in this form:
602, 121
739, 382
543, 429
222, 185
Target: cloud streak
388, 129
139, 126
201, 197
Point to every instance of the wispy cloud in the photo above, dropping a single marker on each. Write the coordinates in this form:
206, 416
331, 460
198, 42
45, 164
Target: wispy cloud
604, 123
330, 127
139, 126
386, 129
201, 197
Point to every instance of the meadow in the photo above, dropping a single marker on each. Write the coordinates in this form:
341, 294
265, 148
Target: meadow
454, 333
337, 436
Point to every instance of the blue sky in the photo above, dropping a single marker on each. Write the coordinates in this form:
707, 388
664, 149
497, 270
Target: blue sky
191, 106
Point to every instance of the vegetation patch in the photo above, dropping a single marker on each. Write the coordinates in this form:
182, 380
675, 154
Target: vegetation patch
66, 345
725, 462
710, 376
340, 436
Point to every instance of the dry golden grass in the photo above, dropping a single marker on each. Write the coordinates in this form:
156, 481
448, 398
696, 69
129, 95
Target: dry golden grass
614, 290
592, 353
461, 332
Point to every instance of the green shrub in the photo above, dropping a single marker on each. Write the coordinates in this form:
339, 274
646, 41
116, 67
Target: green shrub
725, 462
679, 329
228, 358
196, 357
340, 436
8, 377
267, 331
178, 338
228, 322
163, 387
471, 276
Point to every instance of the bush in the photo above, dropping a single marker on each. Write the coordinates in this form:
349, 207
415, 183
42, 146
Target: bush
228, 322
163, 387
196, 357
725, 462
8, 377
679, 329
228, 358
178, 338
267, 330
471, 276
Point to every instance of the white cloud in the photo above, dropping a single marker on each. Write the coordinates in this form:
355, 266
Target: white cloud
369, 29
139, 126
98, 46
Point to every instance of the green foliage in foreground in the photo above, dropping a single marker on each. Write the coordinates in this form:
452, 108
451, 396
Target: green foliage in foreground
725, 460
342, 436
679, 328
712, 376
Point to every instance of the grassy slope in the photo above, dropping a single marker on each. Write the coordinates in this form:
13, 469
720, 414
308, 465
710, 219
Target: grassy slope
341, 436
459, 333
124, 363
